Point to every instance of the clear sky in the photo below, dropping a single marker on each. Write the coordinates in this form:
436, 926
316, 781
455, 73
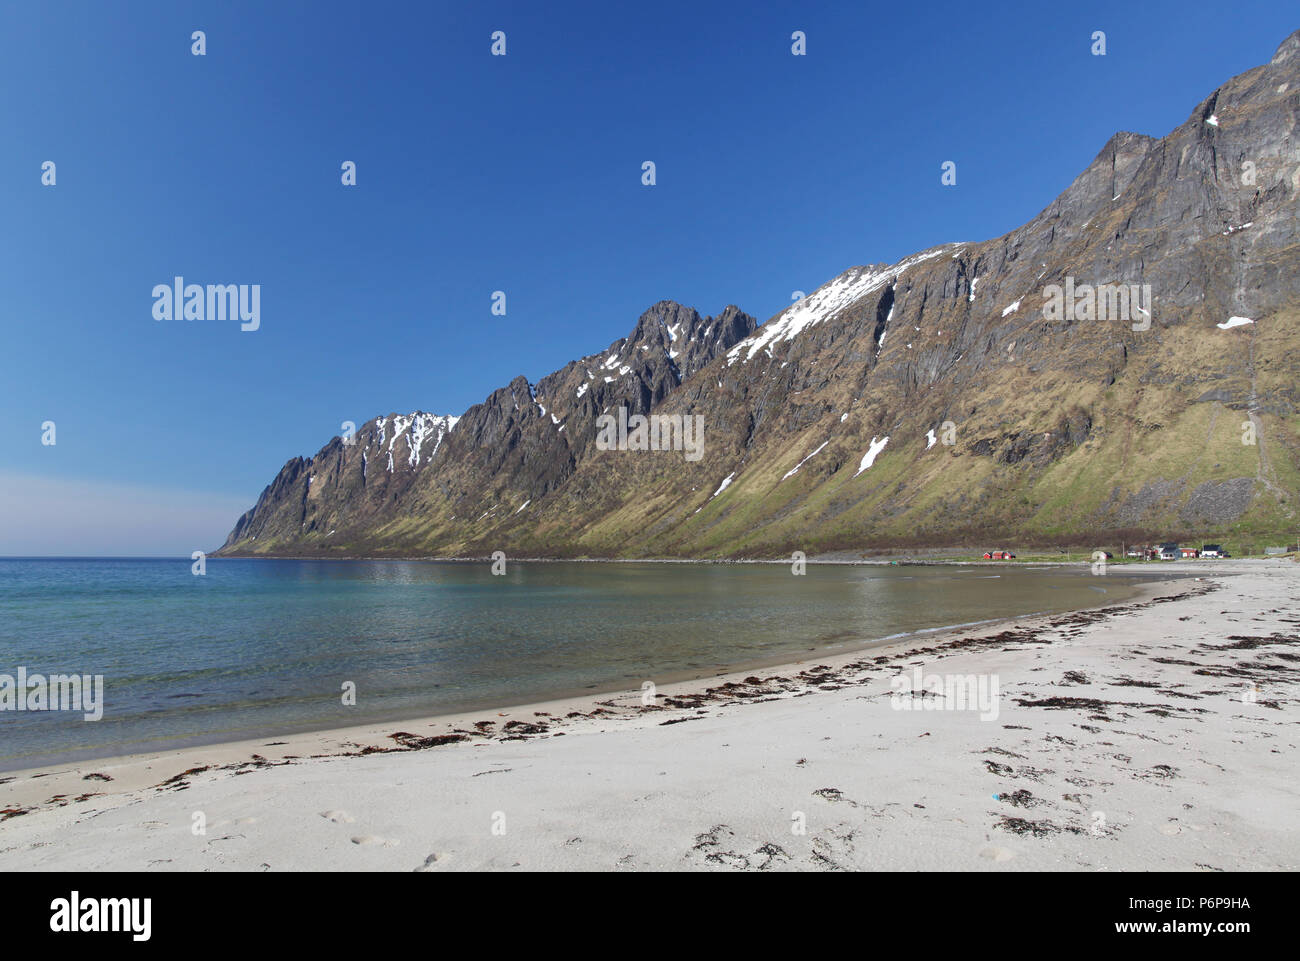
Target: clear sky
478, 173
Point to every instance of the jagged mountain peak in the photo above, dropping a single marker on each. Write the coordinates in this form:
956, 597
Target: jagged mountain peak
523, 437
932, 400
1287, 48
675, 334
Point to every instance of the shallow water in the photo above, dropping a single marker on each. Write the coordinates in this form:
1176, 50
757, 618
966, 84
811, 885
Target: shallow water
260, 647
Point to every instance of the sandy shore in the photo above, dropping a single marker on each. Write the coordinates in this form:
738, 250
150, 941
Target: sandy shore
1157, 734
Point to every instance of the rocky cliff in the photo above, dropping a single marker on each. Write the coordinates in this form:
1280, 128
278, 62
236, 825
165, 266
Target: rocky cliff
1123, 364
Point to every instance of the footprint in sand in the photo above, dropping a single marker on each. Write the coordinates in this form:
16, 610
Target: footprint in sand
1169, 830
370, 840
997, 854
432, 861
338, 817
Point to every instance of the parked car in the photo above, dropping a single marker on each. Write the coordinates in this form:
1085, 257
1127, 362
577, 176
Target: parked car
1133, 552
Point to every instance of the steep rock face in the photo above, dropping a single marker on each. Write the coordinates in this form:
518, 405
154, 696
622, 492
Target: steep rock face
935, 400
350, 483
405, 477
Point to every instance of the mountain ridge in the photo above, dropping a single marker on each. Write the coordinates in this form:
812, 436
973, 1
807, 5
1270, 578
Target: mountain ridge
1061, 429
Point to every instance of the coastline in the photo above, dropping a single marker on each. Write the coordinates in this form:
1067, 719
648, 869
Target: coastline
52, 817
878, 560
676, 681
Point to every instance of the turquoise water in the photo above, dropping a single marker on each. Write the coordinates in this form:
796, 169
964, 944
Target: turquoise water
260, 647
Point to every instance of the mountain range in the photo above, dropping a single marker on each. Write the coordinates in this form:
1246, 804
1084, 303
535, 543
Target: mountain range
1123, 366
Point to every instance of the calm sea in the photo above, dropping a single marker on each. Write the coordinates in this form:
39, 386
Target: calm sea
263, 647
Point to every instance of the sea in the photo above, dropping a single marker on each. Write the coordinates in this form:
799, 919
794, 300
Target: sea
254, 648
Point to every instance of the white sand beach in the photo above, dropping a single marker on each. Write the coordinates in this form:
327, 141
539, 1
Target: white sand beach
1157, 734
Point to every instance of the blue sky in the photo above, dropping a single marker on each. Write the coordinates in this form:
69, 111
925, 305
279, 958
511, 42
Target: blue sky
478, 173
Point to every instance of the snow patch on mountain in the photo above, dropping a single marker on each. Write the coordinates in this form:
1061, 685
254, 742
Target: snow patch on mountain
794, 470
823, 303
869, 458
418, 428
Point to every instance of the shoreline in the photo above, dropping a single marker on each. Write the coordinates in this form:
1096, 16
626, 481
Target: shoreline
879, 560
341, 741
609, 783
676, 681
